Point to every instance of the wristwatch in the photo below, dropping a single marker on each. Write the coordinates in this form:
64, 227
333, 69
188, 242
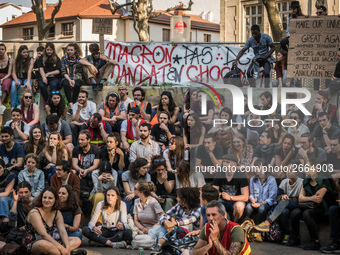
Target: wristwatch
231, 198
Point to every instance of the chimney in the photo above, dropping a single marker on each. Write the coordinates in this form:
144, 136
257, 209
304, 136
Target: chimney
180, 12
44, 4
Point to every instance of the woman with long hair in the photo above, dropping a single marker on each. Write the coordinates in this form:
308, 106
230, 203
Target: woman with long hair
190, 96
281, 70
6, 66
56, 105
168, 104
186, 176
194, 132
7, 180
114, 231
36, 142
30, 111
147, 210
175, 153
242, 150
49, 67
164, 181
71, 211
278, 131
45, 228
34, 176
72, 73
137, 171
184, 215
22, 73
263, 191
54, 151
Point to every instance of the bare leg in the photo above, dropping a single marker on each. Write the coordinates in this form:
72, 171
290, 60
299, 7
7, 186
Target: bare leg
75, 242
2, 244
238, 210
44, 247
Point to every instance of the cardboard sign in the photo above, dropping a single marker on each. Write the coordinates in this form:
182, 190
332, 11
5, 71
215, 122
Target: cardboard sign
313, 47
102, 26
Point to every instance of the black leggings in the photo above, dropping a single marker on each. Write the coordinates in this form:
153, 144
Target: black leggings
65, 83
309, 216
113, 236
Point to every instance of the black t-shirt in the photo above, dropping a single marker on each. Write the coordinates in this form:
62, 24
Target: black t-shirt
279, 152
104, 155
160, 135
49, 66
85, 161
334, 160
160, 188
233, 188
204, 156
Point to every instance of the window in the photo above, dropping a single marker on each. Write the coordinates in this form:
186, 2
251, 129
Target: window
28, 33
207, 38
166, 35
14, 16
67, 29
284, 13
253, 16
51, 32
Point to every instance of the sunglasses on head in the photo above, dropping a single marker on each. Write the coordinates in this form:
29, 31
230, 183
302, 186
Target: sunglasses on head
55, 92
28, 97
159, 160
113, 94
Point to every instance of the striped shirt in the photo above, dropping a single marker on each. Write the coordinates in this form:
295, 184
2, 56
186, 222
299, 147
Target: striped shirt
147, 216
139, 150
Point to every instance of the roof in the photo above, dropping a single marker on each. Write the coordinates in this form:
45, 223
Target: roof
196, 21
101, 8
3, 5
68, 9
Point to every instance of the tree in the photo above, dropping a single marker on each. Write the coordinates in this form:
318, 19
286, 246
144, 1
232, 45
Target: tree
320, 2
274, 19
43, 27
141, 13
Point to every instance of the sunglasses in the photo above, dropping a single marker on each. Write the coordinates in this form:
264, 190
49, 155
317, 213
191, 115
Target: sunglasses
295, 118
159, 160
28, 97
121, 89
55, 92
317, 13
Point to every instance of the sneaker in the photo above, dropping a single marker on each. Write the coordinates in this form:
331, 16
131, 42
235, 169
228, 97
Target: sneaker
262, 227
312, 246
94, 87
333, 247
100, 86
95, 244
119, 245
285, 239
2, 109
156, 249
293, 242
79, 252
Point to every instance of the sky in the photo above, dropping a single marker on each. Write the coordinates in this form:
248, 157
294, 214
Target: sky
26, 3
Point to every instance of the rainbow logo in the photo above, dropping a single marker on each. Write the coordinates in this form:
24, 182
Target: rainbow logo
209, 93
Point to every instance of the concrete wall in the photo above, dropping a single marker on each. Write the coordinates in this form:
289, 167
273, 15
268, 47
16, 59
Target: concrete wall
6, 14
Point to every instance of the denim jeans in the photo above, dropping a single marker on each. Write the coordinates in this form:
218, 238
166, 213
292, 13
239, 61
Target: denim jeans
49, 172
14, 89
5, 203
163, 233
262, 211
129, 205
54, 84
334, 222
113, 236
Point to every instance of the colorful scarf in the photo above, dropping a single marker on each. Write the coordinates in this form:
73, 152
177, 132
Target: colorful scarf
72, 62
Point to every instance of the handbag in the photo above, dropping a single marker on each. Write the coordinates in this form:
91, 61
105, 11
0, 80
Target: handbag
16, 236
308, 205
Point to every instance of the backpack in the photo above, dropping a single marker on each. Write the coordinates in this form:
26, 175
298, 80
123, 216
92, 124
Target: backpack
233, 77
86, 187
176, 246
143, 241
252, 233
275, 233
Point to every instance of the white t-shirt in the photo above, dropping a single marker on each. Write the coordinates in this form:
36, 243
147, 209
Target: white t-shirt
291, 190
126, 102
85, 113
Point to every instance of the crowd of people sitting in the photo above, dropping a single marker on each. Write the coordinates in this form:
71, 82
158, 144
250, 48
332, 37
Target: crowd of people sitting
132, 168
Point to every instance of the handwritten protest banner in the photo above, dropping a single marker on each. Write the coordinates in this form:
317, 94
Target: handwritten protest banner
313, 47
158, 63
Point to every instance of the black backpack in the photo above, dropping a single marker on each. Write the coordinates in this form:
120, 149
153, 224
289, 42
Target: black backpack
233, 77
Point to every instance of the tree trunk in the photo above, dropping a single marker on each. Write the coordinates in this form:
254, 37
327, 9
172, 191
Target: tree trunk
143, 22
274, 19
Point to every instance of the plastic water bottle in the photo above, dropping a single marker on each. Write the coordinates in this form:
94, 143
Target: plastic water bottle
141, 251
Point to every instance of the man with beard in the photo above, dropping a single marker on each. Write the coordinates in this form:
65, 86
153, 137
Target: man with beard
123, 94
163, 131
98, 128
82, 111
11, 152
113, 111
85, 156
219, 235
53, 123
144, 147
209, 156
233, 187
139, 101
308, 151
266, 148
21, 130
325, 130
129, 131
